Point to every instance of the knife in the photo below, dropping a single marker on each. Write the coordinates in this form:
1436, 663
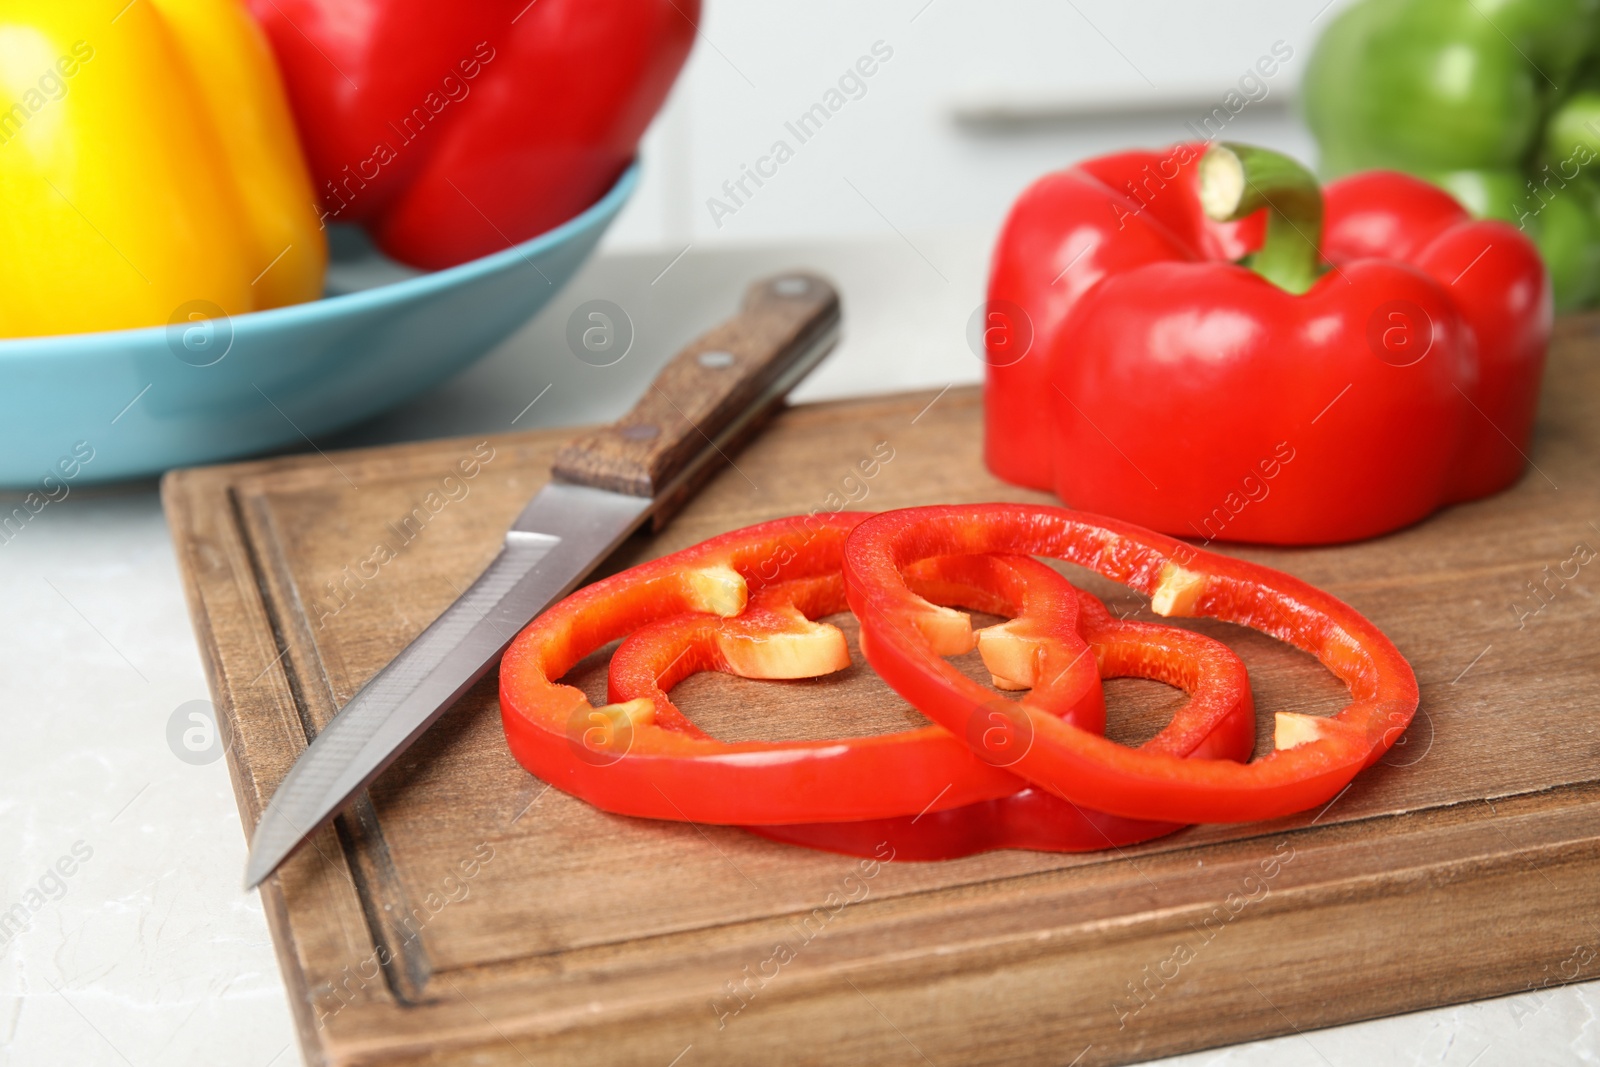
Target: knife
605, 484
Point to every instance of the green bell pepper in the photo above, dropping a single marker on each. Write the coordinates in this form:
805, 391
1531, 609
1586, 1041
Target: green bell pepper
1498, 102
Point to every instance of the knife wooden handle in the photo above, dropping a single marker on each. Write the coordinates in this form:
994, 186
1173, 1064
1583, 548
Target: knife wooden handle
708, 387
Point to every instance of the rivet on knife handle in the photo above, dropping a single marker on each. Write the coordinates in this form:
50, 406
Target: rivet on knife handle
713, 383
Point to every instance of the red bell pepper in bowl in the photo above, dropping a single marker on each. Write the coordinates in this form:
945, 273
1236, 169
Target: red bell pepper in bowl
450, 132
1221, 351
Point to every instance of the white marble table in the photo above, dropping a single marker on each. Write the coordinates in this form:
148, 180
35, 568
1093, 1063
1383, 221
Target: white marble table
148, 953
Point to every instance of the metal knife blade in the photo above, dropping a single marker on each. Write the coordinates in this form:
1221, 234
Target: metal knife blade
563, 533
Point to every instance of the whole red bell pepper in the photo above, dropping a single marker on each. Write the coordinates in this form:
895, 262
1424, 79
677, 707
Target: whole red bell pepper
452, 132
1199, 341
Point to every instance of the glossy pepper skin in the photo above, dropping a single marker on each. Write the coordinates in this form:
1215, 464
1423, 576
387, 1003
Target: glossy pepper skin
644, 758
1497, 103
147, 161
453, 133
1313, 757
1173, 388
1218, 722
1045, 619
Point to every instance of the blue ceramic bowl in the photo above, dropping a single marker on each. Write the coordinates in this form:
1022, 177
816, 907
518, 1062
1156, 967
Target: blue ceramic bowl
197, 391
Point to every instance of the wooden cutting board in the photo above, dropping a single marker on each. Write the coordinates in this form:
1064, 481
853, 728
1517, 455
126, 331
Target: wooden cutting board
464, 912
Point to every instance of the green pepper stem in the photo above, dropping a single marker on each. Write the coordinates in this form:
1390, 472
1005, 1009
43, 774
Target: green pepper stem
1237, 180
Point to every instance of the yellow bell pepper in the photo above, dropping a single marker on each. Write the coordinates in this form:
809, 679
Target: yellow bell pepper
149, 168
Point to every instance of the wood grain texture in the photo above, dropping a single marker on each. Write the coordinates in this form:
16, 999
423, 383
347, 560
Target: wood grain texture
703, 388
463, 912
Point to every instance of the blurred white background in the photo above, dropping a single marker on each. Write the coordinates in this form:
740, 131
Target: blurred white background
975, 102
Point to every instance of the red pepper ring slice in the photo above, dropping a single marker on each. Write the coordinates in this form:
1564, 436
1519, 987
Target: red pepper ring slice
621, 759
1217, 722
1315, 757
775, 638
